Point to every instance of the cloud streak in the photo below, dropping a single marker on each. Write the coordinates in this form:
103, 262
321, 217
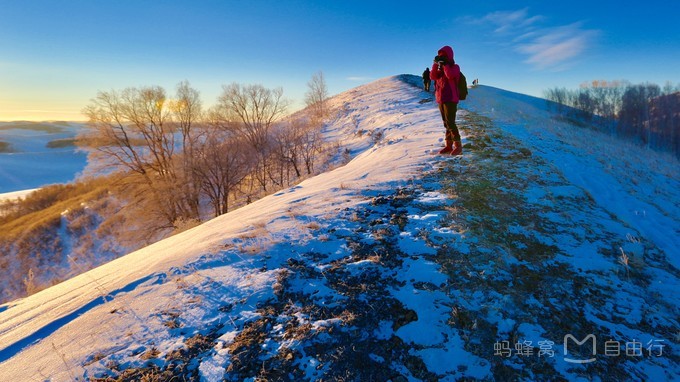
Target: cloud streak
508, 21
556, 47
545, 48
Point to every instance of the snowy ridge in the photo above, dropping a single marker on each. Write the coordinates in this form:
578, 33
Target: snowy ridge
398, 266
59, 311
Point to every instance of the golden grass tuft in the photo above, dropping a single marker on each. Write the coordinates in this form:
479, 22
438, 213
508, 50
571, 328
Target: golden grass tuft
44, 207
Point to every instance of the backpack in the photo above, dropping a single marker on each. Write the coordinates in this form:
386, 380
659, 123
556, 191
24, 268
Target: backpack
462, 87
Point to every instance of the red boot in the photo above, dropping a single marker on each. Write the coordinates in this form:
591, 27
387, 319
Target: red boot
448, 148
457, 148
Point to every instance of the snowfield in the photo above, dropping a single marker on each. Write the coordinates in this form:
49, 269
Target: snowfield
400, 265
39, 153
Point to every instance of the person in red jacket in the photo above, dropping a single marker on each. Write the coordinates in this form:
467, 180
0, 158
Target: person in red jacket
446, 73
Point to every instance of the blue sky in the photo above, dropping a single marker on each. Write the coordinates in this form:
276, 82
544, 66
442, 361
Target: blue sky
56, 55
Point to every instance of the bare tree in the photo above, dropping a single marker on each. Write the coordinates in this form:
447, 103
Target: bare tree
222, 164
287, 149
250, 111
635, 110
645, 112
187, 111
135, 129
311, 145
316, 96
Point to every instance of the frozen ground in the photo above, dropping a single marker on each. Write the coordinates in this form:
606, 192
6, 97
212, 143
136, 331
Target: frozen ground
29, 163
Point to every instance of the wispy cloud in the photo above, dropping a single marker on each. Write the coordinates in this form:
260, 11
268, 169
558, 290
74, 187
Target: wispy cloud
508, 21
545, 47
556, 47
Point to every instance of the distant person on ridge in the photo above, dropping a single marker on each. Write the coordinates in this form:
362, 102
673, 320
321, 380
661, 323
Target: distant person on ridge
426, 79
446, 73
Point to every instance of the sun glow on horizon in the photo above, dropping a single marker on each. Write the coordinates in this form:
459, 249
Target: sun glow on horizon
41, 116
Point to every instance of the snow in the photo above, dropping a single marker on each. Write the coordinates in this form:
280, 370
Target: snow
219, 274
16, 194
30, 163
616, 174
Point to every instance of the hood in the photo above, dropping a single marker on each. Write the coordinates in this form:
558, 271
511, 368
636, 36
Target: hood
446, 51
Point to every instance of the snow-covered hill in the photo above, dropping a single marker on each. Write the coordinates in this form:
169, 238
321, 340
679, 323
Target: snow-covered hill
400, 265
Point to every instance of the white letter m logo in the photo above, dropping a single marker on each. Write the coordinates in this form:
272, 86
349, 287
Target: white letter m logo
579, 343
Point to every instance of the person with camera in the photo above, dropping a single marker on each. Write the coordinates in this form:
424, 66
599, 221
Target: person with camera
446, 74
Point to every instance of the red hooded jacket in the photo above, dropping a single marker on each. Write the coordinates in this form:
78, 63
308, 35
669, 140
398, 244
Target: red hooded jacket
446, 78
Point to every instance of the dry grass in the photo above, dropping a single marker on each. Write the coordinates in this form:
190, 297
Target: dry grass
255, 240
255, 246
33, 229
314, 226
182, 225
44, 207
257, 230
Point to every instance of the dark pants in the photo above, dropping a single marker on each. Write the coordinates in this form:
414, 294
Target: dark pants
448, 111
426, 84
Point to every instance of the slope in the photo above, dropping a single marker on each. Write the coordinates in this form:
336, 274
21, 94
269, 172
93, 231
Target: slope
50, 312
399, 265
